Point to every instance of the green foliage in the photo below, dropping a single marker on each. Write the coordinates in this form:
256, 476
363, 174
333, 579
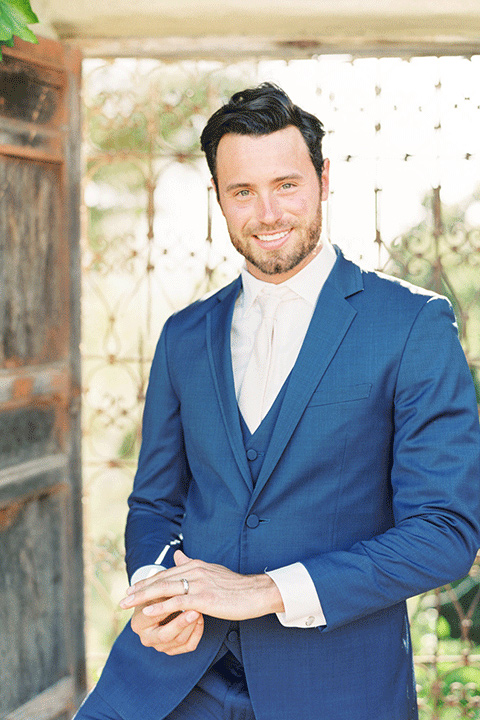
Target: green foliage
15, 15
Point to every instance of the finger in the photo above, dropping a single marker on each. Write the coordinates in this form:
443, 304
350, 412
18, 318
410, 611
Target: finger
168, 606
180, 558
175, 645
146, 582
141, 622
162, 636
191, 643
177, 629
159, 589
160, 575
186, 640
181, 638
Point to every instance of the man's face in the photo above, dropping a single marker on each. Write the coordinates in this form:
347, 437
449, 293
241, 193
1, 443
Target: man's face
270, 195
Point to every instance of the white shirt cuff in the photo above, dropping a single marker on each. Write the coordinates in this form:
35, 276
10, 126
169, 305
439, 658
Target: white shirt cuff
299, 595
144, 572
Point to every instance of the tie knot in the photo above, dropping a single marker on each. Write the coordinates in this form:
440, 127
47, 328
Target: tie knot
269, 299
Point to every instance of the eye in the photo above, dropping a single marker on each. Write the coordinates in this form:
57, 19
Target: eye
243, 193
287, 186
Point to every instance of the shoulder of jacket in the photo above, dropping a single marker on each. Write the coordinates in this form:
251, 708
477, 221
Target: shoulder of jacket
198, 309
400, 289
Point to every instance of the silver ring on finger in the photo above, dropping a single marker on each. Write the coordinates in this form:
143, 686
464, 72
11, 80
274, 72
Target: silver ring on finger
186, 586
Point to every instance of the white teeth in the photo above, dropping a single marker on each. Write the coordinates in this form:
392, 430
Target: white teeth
277, 236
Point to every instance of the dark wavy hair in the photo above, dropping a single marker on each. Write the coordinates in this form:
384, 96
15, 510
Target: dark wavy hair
260, 111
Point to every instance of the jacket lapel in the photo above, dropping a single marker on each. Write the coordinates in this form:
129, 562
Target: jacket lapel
331, 319
219, 322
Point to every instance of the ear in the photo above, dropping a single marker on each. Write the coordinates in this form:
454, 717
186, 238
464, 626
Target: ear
325, 179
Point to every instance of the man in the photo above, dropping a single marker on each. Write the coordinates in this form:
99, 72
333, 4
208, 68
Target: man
310, 459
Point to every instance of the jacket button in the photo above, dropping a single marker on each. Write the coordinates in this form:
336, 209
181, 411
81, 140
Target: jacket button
252, 454
253, 521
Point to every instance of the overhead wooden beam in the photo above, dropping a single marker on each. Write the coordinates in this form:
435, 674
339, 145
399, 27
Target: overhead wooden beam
231, 48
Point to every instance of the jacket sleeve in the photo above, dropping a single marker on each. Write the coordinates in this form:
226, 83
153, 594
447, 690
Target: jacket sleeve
435, 479
156, 504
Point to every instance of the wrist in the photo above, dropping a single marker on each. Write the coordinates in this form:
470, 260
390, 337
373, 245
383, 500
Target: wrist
271, 598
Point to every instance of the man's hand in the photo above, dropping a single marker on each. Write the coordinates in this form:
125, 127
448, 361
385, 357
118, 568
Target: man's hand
213, 590
172, 635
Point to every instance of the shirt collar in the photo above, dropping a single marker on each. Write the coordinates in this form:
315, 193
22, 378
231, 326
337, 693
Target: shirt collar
307, 283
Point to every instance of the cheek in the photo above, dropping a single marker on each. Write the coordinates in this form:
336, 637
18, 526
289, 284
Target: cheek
300, 208
242, 220
309, 209
235, 217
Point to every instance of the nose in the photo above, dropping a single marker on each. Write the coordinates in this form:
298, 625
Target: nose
268, 209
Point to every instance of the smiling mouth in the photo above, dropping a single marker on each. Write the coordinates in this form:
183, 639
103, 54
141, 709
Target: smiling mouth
273, 236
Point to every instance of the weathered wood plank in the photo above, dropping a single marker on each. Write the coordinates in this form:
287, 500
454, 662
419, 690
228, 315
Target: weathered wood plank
28, 153
33, 607
20, 387
11, 125
34, 318
48, 705
47, 54
32, 478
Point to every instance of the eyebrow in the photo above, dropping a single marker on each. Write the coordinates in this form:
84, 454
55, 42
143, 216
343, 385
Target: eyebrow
282, 178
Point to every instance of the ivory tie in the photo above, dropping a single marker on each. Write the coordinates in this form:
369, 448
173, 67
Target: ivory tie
253, 400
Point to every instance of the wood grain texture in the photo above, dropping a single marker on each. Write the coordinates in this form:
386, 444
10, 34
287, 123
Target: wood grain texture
48, 705
33, 313
32, 600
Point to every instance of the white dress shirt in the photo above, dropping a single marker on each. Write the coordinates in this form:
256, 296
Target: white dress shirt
302, 605
293, 318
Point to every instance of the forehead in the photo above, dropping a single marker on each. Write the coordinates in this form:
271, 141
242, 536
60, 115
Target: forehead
244, 158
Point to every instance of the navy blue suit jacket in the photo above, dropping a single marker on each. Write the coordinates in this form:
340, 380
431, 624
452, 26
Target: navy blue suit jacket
371, 479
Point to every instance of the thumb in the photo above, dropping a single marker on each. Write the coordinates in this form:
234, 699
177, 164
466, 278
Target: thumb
180, 558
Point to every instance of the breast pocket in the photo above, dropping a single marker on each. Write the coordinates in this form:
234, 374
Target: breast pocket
348, 393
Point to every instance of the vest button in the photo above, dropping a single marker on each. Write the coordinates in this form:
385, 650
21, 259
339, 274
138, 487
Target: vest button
252, 454
253, 521
232, 636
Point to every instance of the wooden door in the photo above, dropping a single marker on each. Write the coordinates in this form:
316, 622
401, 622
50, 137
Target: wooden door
41, 576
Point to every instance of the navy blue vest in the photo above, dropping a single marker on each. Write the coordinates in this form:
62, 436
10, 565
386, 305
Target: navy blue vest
256, 445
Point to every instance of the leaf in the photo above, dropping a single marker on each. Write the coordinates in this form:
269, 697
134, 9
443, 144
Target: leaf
20, 10
14, 17
5, 25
